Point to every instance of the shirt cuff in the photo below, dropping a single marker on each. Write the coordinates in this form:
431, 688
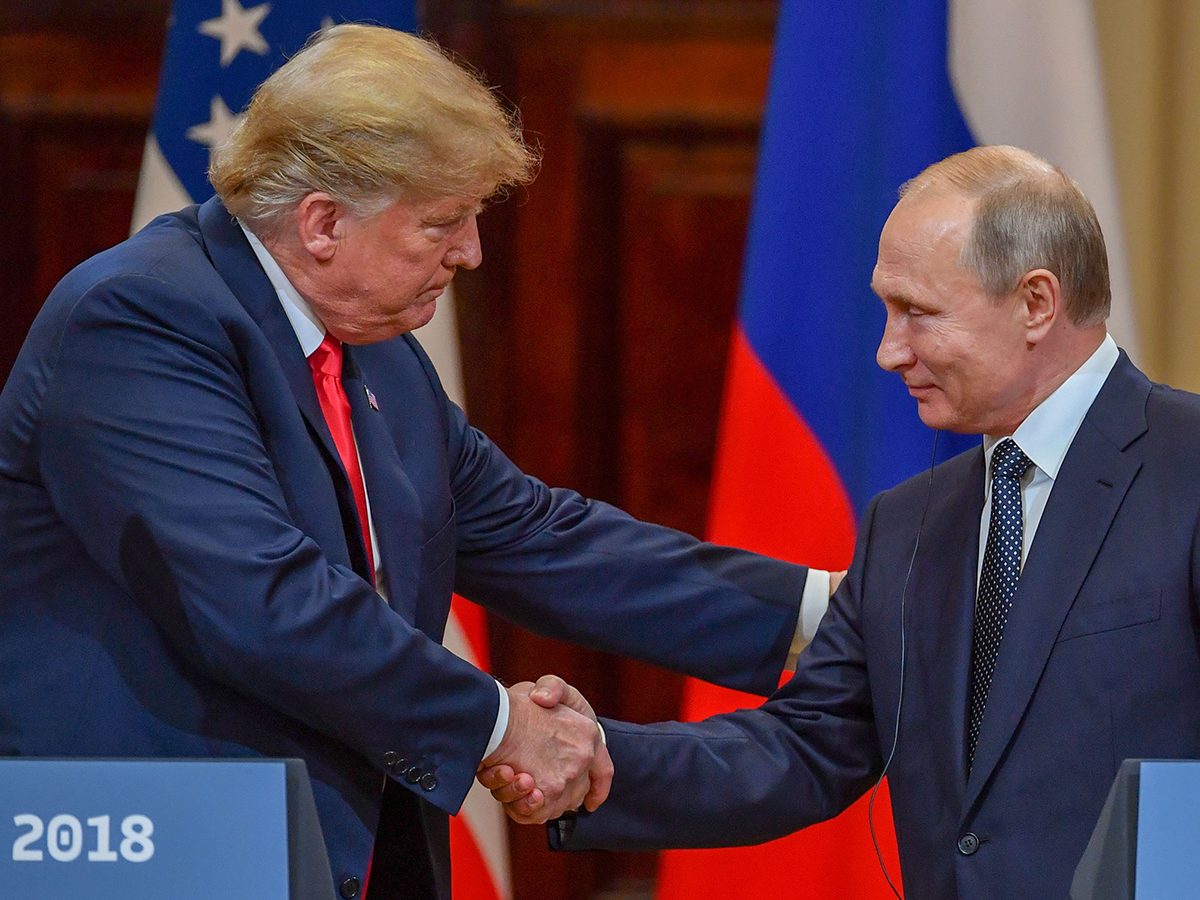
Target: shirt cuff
813, 603
501, 725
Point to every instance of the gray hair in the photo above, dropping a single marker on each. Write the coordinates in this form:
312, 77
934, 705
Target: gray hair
1029, 215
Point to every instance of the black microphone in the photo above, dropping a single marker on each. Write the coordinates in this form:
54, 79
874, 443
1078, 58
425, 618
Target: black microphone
903, 648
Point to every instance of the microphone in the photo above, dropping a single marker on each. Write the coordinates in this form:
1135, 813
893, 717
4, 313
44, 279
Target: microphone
903, 648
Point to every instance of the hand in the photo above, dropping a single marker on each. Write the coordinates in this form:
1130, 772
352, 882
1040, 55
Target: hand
517, 790
835, 578
551, 758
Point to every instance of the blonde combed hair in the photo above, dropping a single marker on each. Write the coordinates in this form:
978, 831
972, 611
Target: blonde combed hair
367, 114
1029, 215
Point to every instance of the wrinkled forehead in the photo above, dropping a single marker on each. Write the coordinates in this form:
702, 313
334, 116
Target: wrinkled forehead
932, 217
926, 230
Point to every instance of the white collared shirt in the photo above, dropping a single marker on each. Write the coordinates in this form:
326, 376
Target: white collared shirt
1045, 437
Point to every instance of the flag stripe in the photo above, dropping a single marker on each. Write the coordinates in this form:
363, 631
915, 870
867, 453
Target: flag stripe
1047, 55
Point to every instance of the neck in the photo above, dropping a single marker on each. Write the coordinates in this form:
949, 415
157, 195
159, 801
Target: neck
1056, 359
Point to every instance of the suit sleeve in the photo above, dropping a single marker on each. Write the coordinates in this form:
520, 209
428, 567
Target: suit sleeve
584, 571
152, 453
754, 775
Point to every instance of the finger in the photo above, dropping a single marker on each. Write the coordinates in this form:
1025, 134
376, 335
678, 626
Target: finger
601, 775
495, 776
521, 787
531, 805
538, 818
575, 794
549, 691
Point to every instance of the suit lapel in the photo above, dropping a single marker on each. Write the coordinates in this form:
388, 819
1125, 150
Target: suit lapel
395, 506
1092, 483
237, 265
941, 604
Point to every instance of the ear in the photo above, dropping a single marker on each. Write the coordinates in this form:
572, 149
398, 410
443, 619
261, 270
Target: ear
1041, 303
320, 225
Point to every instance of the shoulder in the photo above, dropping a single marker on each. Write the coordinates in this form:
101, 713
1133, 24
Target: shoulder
165, 259
914, 491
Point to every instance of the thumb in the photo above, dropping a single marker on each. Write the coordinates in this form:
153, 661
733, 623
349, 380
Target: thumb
601, 775
550, 691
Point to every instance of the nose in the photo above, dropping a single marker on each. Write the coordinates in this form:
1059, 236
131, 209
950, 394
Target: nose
466, 252
894, 353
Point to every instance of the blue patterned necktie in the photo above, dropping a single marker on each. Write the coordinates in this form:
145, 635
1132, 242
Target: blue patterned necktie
998, 580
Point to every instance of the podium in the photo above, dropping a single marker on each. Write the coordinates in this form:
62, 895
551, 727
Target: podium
137, 829
1144, 846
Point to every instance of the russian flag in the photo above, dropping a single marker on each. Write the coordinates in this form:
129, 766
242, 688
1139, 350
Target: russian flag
218, 52
863, 96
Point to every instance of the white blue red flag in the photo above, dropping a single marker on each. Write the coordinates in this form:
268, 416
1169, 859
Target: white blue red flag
864, 95
217, 53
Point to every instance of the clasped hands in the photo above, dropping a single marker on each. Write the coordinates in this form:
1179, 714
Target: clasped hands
552, 758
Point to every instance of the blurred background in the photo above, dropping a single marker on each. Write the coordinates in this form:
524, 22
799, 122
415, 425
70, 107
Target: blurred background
595, 336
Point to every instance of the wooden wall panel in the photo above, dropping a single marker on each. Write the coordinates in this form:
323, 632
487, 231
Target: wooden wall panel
75, 103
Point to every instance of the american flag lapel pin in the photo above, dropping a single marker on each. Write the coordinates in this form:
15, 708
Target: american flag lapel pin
371, 401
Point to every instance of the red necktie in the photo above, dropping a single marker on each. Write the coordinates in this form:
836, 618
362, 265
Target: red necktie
326, 365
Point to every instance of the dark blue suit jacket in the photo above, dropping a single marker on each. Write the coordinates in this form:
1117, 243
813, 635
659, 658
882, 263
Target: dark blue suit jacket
1100, 661
181, 565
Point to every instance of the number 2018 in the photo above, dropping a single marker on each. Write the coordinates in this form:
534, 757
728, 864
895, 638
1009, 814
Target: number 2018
65, 840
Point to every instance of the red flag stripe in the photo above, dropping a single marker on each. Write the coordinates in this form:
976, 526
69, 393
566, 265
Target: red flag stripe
776, 491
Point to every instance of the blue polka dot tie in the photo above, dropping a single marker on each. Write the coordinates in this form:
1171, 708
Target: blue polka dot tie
998, 579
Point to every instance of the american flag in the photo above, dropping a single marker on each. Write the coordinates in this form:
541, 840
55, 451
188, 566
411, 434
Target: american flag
217, 53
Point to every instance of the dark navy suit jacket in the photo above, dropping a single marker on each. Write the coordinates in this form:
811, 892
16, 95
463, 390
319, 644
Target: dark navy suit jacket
1100, 661
181, 565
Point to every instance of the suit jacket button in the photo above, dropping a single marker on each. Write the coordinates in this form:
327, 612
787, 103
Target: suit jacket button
428, 781
349, 887
390, 757
968, 843
413, 775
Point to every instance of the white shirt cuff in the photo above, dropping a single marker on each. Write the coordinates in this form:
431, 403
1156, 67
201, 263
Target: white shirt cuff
501, 725
813, 603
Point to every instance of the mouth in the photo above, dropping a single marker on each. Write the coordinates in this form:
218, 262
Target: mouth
920, 390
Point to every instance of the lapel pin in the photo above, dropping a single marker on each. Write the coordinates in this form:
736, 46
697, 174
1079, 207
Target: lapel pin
371, 401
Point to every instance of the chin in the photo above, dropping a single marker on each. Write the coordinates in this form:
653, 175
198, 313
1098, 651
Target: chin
937, 419
421, 316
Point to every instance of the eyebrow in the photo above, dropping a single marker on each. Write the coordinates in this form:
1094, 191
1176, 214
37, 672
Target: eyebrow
454, 215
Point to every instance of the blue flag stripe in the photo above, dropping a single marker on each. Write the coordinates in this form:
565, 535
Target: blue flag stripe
854, 109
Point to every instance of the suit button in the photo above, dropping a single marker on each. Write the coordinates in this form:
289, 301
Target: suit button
413, 775
390, 757
349, 887
968, 843
428, 781
396, 765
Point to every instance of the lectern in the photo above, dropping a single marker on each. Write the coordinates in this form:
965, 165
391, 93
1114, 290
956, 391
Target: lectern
137, 829
1146, 844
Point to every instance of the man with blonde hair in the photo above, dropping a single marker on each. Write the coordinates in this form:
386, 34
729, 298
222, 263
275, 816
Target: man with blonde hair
237, 500
1017, 621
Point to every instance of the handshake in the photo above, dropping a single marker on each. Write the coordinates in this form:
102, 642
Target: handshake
552, 758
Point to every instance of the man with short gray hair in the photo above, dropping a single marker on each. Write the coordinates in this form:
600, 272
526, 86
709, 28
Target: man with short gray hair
1016, 622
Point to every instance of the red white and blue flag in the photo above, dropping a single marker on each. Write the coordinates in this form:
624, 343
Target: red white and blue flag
863, 96
218, 52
